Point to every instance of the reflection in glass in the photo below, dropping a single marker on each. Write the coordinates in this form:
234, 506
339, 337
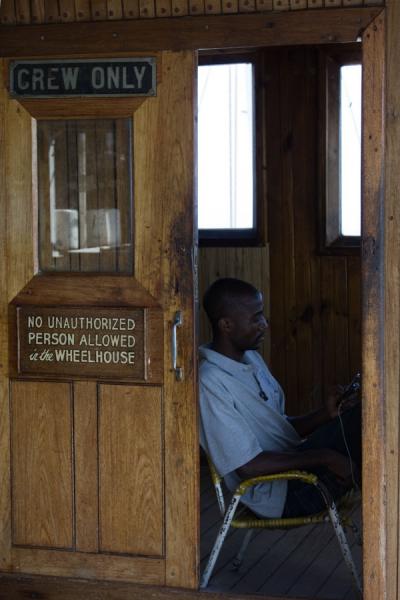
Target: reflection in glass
85, 195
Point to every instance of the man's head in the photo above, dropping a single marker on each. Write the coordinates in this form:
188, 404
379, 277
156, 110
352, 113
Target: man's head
235, 309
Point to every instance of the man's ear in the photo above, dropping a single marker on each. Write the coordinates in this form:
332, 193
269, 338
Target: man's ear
225, 325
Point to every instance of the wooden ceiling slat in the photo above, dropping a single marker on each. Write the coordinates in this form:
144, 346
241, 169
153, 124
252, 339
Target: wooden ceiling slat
213, 7
130, 9
333, 3
8, 13
163, 8
246, 6
196, 7
67, 11
281, 5
22, 12
37, 11
146, 9
114, 10
230, 6
263, 5
82, 10
352, 2
179, 8
98, 10
51, 11
298, 4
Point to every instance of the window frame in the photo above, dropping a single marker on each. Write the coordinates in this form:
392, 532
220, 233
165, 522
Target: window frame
255, 235
331, 59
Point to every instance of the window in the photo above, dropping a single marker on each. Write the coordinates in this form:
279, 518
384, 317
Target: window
227, 209
350, 150
341, 148
85, 195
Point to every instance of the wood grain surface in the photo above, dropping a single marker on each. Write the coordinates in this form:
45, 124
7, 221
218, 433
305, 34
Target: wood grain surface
49, 11
187, 33
377, 483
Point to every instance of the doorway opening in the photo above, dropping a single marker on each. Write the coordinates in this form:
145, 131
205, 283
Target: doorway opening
312, 294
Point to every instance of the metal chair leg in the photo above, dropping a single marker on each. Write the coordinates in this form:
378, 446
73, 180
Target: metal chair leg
344, 546
237, 561
341, 536
205, 578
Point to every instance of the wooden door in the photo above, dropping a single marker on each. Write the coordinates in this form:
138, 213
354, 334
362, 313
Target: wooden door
99, 463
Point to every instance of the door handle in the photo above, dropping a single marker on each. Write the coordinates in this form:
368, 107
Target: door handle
177, 322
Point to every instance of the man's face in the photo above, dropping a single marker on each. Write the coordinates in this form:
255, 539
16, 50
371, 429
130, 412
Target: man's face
247, 323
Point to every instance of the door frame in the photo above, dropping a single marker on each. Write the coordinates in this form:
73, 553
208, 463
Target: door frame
381, 213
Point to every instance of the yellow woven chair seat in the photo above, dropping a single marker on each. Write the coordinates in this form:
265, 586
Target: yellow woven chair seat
249, 520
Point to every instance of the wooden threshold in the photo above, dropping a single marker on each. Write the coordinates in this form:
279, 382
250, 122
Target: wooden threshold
187, 33
16, 587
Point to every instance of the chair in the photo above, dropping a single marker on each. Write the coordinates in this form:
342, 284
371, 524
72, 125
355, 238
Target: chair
248, 520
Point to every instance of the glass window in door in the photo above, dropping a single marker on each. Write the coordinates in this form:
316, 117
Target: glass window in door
84, 182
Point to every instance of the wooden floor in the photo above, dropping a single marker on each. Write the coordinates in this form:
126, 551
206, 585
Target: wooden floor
304, 562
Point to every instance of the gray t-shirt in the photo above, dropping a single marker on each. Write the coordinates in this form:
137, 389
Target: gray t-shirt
237, 423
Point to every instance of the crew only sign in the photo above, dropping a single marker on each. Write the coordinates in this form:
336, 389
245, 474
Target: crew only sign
82, 78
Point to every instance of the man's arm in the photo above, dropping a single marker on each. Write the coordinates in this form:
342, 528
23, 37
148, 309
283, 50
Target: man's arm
268, 463
306, 424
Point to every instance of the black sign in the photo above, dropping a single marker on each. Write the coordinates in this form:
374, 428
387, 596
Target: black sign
75, 78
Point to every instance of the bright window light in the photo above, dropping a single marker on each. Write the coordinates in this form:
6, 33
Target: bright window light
225, 146
350, 150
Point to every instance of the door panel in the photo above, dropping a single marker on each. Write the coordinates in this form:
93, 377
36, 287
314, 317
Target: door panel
42, 483
120, 451
86, 466
131, 489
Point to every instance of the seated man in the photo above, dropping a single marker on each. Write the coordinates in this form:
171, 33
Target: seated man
244, 428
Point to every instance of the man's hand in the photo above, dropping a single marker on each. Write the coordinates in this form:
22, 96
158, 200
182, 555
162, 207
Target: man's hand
332, 401
341, 398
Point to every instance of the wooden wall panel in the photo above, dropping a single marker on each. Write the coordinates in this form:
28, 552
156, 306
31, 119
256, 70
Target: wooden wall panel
315, 298
251, 264
131, 497
41, 455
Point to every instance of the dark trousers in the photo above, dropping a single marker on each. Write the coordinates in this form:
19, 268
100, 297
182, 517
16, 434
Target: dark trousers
304, 499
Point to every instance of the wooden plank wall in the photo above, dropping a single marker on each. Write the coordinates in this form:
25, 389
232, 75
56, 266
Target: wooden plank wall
24, 12
315, 297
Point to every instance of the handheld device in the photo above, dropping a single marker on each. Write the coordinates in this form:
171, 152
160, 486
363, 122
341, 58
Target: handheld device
352, 387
